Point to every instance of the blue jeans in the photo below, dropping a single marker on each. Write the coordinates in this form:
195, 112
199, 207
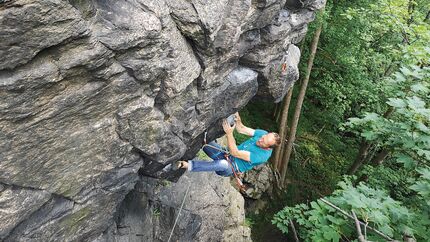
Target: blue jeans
219, 164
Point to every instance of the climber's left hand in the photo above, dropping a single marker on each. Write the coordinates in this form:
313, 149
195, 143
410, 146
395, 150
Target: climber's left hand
227, 128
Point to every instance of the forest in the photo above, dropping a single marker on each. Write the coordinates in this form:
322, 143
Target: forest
354, 164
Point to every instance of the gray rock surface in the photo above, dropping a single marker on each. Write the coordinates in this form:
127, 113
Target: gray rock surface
213, 211
91, 92
258, 181
276, 57
17, 204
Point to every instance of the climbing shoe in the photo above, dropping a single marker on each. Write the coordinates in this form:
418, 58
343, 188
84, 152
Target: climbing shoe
178, 165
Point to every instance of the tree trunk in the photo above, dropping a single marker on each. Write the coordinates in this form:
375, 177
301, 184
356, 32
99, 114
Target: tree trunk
364, 149
275, 111
283, 128
360, 158
300, 99
279, 112
411, 10
380, 157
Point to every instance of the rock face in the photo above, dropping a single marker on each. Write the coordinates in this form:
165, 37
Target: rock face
213, 211
258, 181
93, 91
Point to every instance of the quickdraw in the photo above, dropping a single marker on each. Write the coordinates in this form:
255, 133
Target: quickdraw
284, 65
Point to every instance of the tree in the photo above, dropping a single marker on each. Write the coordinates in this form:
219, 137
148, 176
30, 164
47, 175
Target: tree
300, 98
283, 127
406, 133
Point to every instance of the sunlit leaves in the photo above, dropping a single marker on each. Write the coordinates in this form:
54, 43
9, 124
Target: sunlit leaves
407, 161
396, 102
422, 186
406, 131
372, 206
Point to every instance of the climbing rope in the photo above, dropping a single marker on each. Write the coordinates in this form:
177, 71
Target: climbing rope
179, 213
238, 181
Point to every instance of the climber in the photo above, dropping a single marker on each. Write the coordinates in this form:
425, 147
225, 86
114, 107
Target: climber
254, 151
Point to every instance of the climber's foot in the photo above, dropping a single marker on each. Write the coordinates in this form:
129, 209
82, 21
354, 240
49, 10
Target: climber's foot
180, 165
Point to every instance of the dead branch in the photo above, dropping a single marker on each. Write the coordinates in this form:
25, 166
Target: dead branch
294, 231
358, 227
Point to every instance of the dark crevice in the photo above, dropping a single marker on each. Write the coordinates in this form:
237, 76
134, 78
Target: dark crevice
9, 4
193, 45
12, 231
15, 186
86, 8
131, 73
161, 97
36, 214
206, 33
50, 50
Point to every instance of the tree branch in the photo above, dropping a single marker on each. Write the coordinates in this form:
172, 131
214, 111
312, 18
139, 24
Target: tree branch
294, 231
357, 226
349, 216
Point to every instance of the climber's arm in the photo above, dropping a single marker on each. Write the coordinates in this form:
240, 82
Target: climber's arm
231, 143
242, 128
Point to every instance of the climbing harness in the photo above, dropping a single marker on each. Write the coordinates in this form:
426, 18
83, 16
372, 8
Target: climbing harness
179, 212
230, 162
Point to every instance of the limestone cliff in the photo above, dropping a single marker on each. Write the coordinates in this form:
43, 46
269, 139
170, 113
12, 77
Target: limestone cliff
97, 94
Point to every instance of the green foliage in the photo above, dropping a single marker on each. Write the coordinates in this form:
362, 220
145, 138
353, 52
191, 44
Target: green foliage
406, 131
391, 178
156, 212
201, 155
422, 186
406, 134
362, 43
320, 222
248, 222
373, 63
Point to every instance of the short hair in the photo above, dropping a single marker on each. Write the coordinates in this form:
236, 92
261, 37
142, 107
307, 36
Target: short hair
277, 140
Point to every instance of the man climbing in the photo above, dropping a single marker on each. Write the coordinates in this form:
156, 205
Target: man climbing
254, 151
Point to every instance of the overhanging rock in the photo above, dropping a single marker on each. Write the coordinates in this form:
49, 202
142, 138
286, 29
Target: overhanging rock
91, 92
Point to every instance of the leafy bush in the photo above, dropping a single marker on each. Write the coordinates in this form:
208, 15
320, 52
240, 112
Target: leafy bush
320, 222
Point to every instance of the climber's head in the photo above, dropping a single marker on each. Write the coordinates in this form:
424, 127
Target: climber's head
269, 140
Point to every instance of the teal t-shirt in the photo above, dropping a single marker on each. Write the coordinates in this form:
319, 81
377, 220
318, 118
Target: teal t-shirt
258, 155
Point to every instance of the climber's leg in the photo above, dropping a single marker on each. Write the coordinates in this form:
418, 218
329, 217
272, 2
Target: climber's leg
214, 153
221, 166
224, 173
